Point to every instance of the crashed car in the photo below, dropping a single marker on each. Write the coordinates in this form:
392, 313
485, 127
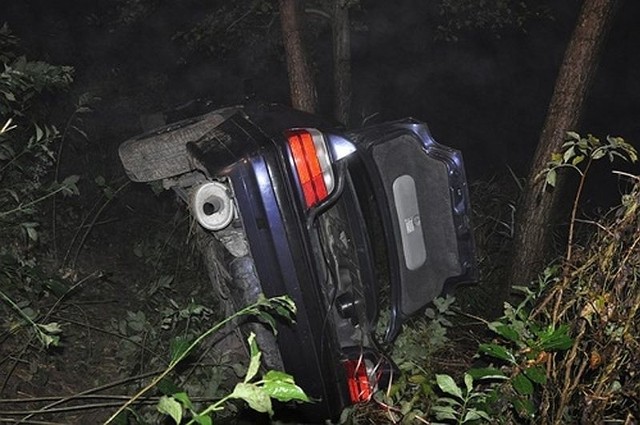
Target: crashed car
361, 228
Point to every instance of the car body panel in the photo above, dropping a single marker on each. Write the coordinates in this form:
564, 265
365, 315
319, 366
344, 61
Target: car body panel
429, 228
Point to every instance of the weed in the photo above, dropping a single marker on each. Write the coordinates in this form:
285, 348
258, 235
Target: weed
257, 394
410, 394
48, 334
26, 160
274, 384
458, 405
576, 150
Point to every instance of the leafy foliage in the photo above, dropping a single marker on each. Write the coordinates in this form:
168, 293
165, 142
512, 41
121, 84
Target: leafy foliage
459, 405
258, 394
565, 343
597, 299
26, 160
549, 347
411, 393
590, 148
26, 154
520, 350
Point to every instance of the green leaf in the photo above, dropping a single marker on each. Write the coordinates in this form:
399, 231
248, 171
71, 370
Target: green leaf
52, 328
486, 373
524, 407
121, 419
577, 160
32, 233
281, 386
254, 363
13, 194
448, 385
537, 374
203, 419
9, 96
568, 154
39, 133
30, 313
505, 331
179, 346
443, 304
498, 352
80, 132
284, 312
49, 340
445, 413
449, 401
556, 158
551, 178
598, 154
56, 286
276, 375
474, 415
573, 135
468, 382
69, 185
555, 339
267, 319
83, 109
169, 406
72, 179
183, 398
136, 320
257, 398
522, 384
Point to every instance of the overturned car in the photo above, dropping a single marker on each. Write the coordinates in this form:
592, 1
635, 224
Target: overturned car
352, 225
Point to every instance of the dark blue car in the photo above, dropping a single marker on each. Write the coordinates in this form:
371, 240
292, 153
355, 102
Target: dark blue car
352, 225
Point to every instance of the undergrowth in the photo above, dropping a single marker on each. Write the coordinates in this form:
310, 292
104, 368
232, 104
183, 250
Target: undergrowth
564, 350
44, 290
26, 160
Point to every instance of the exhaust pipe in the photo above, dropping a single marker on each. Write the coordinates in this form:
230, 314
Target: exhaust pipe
212, 205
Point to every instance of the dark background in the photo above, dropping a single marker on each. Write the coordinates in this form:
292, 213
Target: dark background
485, 93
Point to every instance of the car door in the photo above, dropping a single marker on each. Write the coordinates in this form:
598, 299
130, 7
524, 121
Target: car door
421, 195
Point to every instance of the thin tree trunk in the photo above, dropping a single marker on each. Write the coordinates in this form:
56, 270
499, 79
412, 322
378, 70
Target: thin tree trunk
536, 217
302, 87
341, 61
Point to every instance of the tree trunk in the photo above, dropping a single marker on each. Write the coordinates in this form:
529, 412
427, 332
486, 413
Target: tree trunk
303, 93
341, 61
537, 212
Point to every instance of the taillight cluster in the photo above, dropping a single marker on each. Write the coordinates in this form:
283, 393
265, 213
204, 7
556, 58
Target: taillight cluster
312, 164
359, 379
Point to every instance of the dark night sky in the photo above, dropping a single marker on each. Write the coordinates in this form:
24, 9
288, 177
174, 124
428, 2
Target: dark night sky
482, 94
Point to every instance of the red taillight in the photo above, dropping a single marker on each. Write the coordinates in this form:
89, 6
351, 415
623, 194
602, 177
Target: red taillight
358, 380
313, 164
